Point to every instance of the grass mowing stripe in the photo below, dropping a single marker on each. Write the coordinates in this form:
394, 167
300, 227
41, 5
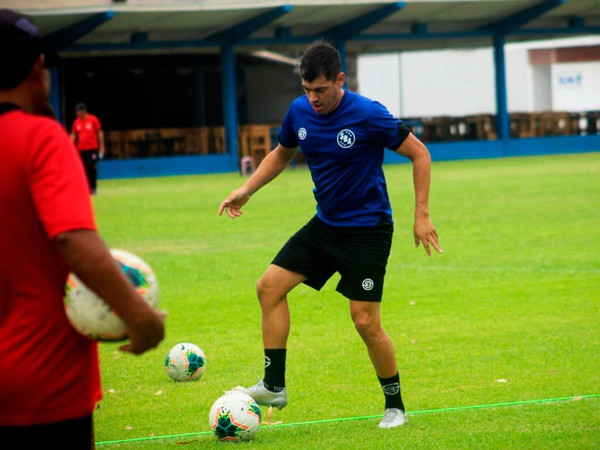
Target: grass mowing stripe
347, 419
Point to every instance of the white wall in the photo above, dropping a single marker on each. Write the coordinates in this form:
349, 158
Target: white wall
447, 83
461, 82
519, 81
576, 86
542, 88
379, 79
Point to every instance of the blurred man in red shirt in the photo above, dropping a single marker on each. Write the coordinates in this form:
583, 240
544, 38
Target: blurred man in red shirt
88, 137
50, 377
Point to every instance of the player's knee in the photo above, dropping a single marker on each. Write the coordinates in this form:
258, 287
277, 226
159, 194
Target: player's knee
266, 288
367, 326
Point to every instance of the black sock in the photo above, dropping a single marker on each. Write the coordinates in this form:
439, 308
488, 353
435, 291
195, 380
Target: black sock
275, 369
391, 391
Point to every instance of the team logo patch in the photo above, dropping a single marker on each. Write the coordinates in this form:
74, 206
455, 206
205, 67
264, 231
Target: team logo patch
367, 284
391, 389
346, 138
302, 134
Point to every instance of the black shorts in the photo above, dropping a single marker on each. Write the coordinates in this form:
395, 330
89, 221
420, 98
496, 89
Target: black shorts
76, 434
359, 254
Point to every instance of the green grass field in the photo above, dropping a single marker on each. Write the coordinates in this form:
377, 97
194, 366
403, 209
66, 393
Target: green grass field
508, 314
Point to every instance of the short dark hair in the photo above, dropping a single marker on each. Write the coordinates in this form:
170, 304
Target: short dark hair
320, 58
20, 47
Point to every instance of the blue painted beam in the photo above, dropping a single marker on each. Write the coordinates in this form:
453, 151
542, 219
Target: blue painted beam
517, 20
227, 38
230, 110
555, 31
149, 45
283, 32
419, 28
242, 30
139, 37
347, 30
502, 119
501, 28
576, 22
302, 40
421, 36
65, 37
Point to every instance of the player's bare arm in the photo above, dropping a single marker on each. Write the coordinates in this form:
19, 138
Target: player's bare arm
271, 166
423, 230
89, 258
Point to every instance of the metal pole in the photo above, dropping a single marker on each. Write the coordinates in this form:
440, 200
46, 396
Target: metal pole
502, 121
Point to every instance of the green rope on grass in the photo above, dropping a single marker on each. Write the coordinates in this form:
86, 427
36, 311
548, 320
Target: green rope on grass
347, 419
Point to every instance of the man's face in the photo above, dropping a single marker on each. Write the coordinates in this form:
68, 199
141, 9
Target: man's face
324, 95
81, 113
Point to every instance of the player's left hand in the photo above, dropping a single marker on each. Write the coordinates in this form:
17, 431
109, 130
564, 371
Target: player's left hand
425, 233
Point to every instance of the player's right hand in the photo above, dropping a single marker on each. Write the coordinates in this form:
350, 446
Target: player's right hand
146, 333
232, 205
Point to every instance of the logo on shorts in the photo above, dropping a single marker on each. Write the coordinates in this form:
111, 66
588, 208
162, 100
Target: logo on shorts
391, 389
302, 133
346, 138
367, 284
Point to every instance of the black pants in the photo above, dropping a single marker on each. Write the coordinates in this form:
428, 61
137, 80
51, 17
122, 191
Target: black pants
74, 434
90, 164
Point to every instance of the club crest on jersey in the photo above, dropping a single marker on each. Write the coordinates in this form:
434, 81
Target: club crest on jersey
302, 133
346, 138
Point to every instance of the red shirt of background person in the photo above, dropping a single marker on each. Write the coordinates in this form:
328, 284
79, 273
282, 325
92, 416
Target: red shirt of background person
87, 132
49, 376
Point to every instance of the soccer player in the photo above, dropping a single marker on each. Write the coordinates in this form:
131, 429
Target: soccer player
343, 136
49, 376
88, 137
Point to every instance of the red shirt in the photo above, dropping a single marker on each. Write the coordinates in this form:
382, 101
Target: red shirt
48, 372
86, 130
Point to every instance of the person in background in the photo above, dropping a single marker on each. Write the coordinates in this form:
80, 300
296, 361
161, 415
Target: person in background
88, 137
50, 377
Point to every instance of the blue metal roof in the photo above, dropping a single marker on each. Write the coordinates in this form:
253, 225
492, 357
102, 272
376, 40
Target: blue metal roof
287, 26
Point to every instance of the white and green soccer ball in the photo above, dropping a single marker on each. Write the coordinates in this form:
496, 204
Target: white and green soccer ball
185, 362
235, 417
92, 316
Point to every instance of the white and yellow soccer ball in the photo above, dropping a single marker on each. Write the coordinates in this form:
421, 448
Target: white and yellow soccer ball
185, 362
92, 316
235, 417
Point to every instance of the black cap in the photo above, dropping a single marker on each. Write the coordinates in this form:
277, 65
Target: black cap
80, 105
20, 47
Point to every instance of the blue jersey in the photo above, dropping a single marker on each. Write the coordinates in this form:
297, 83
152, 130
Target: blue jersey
344, 151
